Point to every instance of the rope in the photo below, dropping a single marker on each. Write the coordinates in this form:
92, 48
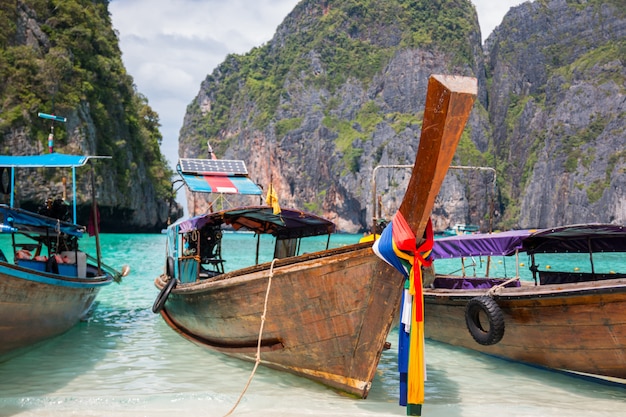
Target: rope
493, 290
258, 349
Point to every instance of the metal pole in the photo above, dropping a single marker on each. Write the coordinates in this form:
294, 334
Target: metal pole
96, 226
12, 186
374, 206
74, 195
459, 167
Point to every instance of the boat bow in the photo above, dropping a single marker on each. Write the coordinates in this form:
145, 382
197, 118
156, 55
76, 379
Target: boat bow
329, 312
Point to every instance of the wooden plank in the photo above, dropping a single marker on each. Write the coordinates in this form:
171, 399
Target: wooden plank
448, 105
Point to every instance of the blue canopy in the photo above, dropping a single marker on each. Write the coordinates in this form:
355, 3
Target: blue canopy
27, 221
49, 160
216, 176
220, 184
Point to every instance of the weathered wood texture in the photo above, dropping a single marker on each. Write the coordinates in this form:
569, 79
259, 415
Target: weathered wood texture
33, 311
449, 101
328, 313
576, 327
325, 320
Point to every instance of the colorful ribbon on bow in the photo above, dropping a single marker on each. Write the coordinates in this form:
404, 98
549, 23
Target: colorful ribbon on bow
398, 247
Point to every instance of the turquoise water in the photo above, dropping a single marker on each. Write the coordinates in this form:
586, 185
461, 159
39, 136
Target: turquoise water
124, 361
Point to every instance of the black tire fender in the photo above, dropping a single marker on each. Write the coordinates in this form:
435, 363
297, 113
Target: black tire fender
487, 306
169, 267
159, 303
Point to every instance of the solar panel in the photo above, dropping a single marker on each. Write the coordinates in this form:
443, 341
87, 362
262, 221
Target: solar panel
213, 166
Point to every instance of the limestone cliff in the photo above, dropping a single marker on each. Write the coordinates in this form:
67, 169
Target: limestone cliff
340, 90
557, 104
63, 58
336, 92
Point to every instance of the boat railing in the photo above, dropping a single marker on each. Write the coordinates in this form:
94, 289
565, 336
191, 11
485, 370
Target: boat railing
566, 277
377, 210
311, 256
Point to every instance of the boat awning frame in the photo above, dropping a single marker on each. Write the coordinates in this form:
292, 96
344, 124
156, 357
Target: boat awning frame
579, 238
50, 160
289, 224
582, 238
222, 180
26, 221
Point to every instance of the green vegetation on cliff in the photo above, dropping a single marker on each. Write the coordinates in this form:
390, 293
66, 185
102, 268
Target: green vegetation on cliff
62, 57
332, 43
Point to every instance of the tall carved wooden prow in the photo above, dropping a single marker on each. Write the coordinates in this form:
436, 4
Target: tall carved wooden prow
449, 101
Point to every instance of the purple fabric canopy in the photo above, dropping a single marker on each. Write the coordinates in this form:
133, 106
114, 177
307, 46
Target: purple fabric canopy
261, 219
582, 238
493, 244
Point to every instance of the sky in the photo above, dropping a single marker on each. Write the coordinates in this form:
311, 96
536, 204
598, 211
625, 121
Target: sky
170, 46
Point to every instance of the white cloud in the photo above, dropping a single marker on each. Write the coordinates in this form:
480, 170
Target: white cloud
491, 12
170, 46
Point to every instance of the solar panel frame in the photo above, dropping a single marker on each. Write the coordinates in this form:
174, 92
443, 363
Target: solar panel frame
229, 167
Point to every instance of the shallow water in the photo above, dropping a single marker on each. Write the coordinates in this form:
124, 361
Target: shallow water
123, 360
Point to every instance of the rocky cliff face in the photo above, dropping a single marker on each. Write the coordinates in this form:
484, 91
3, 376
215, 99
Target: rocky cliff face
66, 60
324, 139
549, 119
557, 106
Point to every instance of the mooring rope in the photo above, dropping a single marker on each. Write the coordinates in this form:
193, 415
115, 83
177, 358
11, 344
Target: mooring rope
493, 290
258, 349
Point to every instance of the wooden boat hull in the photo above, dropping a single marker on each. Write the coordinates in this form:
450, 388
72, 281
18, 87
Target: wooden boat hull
328, 314
38, 306
579, 327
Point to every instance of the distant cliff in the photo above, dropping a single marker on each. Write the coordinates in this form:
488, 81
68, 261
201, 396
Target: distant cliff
63, 58
557, 106
340, 90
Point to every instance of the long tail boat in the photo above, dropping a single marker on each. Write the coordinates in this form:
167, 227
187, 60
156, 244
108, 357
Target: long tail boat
567, 313
323, 315
47, 282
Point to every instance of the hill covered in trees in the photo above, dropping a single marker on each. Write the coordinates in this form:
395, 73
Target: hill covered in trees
63, 58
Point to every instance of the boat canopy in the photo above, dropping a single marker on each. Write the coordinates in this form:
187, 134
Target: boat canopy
216, 176
29, 222
480, 244
50, 160
582, 238
288, 224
